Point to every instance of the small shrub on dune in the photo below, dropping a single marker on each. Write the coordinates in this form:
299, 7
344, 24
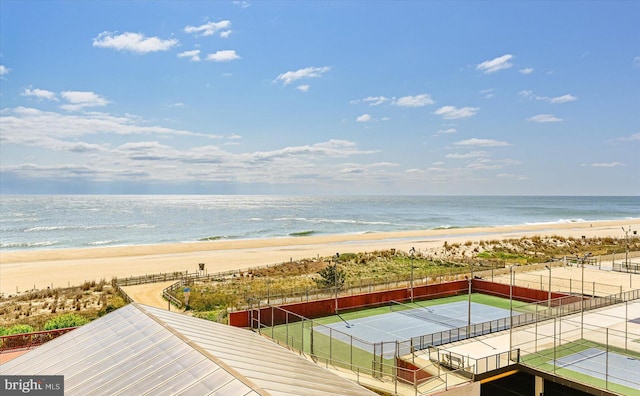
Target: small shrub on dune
16, 329
64, 321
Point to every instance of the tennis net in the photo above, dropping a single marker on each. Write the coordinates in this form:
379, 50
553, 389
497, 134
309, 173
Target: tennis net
426, 314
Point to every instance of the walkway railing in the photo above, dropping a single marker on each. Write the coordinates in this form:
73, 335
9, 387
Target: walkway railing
30, 340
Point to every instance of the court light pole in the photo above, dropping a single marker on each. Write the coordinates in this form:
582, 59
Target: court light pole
626, 251
511, 276
469, 309
412, 251
335, 279
583, 260
549, 268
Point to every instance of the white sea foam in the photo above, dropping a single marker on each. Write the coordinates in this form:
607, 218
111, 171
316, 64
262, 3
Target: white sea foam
32, 222
105, 242
13, 245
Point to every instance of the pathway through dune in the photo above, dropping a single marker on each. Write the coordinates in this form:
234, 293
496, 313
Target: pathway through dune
149, 294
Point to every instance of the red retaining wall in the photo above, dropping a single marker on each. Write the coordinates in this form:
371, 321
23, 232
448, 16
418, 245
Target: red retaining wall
406, 371
519, 293
326, 307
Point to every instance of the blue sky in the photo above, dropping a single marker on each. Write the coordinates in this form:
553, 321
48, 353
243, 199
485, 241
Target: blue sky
313, 97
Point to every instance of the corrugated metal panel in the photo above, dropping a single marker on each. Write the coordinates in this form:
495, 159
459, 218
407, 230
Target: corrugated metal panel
140, 350
271, 367
129, 353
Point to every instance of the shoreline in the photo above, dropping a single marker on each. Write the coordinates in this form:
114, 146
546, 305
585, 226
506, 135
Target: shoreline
16, 256
23, 270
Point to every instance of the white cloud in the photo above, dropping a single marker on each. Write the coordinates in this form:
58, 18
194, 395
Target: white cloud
472, 154
40, 94
352, 170
243, 4
303, 88
193, 55
24, 124
633, 137
364, 118
414, 101
636, 62
375, 100
78, 100
544, 118
488, 93
4, 70
331, 148
448, 131
512, 176
308, 72
555, 100
563, 99
452, 112
527, 70
526, 93
494, 65
607, 164
210, 28
489, 164
475, 142
484, 164
133, 42
223, 56
225, 34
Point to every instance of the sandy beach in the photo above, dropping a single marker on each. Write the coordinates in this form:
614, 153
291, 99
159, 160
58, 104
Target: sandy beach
24, 270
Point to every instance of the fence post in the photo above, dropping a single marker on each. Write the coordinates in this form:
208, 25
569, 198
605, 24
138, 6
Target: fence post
606, 365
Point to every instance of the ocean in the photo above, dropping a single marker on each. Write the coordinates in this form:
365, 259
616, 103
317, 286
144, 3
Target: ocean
81, 221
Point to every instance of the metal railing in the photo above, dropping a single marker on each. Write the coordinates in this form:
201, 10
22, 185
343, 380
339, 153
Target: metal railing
630, 267
30, 340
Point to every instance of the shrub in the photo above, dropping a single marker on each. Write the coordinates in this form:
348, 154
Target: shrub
107, 308
64, 321
17, 329
329, 277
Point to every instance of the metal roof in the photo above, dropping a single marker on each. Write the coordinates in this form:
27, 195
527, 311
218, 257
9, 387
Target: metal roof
143, 350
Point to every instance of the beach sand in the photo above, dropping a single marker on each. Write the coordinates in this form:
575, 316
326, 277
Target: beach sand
25, 270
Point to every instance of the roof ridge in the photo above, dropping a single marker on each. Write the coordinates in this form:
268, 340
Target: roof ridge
196, 347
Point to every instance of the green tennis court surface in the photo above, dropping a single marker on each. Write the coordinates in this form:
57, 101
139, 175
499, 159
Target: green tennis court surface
591, 363
394, 328
406, 321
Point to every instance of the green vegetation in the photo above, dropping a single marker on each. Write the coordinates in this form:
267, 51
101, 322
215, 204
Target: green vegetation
330, 276
64, 321
512, 257
37, 307
360, 272
16, 329
308, 279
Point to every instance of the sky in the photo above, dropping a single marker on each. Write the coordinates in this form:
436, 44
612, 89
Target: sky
320, 97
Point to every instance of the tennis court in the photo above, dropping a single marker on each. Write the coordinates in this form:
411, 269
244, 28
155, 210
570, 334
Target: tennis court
603, 365
405, 321
377, 334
